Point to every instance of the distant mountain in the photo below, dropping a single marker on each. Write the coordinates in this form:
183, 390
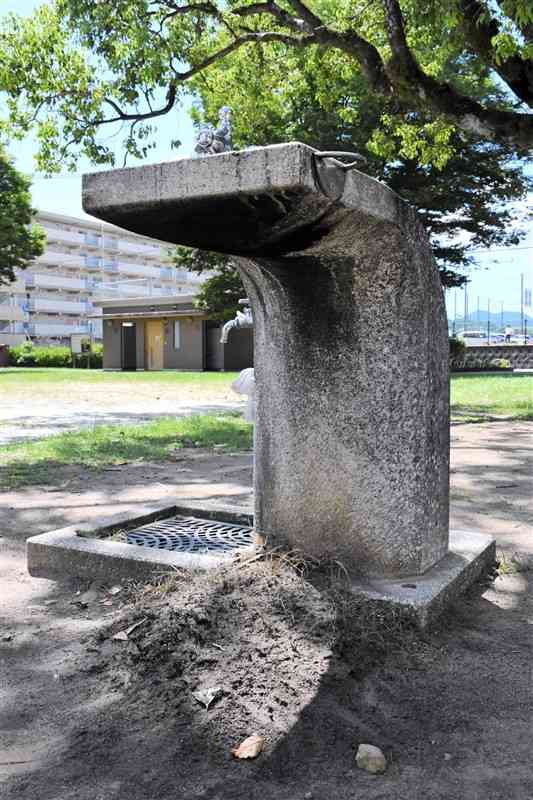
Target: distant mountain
511, 318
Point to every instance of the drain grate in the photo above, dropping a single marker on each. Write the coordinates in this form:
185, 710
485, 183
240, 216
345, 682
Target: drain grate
192, 535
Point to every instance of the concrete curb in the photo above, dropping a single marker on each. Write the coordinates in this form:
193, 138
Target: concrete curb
426, 596
82, 551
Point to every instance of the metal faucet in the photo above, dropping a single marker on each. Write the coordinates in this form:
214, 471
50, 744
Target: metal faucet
243, 319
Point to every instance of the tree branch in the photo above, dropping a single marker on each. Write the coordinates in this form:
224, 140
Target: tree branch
259, 37
479, 32
124, 116
179, 77
400, 78
410, 81
203, 8
272, 8
310, 19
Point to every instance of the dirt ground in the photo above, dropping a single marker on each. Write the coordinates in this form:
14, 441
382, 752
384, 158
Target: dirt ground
32, 409
87, 717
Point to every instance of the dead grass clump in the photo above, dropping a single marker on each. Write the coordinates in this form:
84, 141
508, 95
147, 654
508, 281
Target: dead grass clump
517, 562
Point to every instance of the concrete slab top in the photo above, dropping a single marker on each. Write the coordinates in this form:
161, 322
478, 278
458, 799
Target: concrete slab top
238, 202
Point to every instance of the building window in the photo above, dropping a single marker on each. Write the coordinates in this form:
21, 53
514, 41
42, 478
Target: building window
176, 334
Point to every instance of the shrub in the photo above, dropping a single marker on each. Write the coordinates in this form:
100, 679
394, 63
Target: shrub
97, 356
22, 355
457, 347
28, 355
500, 363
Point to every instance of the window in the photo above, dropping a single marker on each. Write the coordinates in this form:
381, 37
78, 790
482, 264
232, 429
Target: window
176, 334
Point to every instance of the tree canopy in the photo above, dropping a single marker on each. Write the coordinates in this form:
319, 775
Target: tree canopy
20, 242
463, 187
79, 67
466, 204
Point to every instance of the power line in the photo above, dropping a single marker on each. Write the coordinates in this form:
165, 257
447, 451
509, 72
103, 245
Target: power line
499, 249
37, 176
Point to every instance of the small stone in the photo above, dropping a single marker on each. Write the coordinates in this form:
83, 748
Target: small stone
447, 756
208, 696
7, 638
308, 796
371, 759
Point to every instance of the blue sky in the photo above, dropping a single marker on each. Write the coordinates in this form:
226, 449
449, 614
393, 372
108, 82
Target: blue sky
497, 275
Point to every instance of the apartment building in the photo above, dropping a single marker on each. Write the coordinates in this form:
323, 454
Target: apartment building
85, 261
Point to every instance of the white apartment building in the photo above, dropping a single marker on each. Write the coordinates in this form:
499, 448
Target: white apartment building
85, 261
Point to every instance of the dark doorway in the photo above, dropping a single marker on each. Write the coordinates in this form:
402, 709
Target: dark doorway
129, 346
214, 350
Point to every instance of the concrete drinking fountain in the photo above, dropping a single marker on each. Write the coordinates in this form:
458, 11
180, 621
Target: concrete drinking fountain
351, 356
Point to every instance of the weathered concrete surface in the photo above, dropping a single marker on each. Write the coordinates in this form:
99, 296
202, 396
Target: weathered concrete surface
470, 555
77, 551
351, 344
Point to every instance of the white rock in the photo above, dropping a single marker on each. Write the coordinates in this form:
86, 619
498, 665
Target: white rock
370, 758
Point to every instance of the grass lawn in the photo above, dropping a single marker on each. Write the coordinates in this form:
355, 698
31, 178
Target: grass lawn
34, 462
21, 378
474, 397
35, 388
477, 396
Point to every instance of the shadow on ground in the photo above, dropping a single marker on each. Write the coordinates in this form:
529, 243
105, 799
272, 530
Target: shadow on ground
452, 713
95, 719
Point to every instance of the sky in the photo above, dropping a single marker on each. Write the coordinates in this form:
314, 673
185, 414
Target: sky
496, 276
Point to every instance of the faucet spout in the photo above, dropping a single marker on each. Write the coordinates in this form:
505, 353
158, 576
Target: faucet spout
225, 331
243, 319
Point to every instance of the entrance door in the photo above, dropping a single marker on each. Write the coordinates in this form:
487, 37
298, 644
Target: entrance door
153, 344
129, 346
214, 350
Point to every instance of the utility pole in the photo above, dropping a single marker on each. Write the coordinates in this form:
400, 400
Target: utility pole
527, 304
454, 311
501, 317
488, 321
522, 303
478, 318
465, 325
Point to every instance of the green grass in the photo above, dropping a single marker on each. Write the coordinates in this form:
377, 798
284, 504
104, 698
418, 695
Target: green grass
28, 376
35, 462
476, 397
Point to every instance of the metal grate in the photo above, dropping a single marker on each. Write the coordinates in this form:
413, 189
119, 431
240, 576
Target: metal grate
192, 535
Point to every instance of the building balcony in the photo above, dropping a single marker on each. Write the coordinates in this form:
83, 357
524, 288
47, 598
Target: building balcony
58, 306
9, 312
57, 282
13, 328
130, 268
93, 262
64, 236
12, 339
184, 276
92, 239
56, 328
76, 260
139, 248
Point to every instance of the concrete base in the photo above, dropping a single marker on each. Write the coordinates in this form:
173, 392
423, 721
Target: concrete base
77, 551
82, 551
427, 595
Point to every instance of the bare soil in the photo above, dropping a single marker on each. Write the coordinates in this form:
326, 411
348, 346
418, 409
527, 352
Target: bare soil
89, 717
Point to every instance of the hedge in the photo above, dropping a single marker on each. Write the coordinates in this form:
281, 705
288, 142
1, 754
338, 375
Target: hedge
28, 355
